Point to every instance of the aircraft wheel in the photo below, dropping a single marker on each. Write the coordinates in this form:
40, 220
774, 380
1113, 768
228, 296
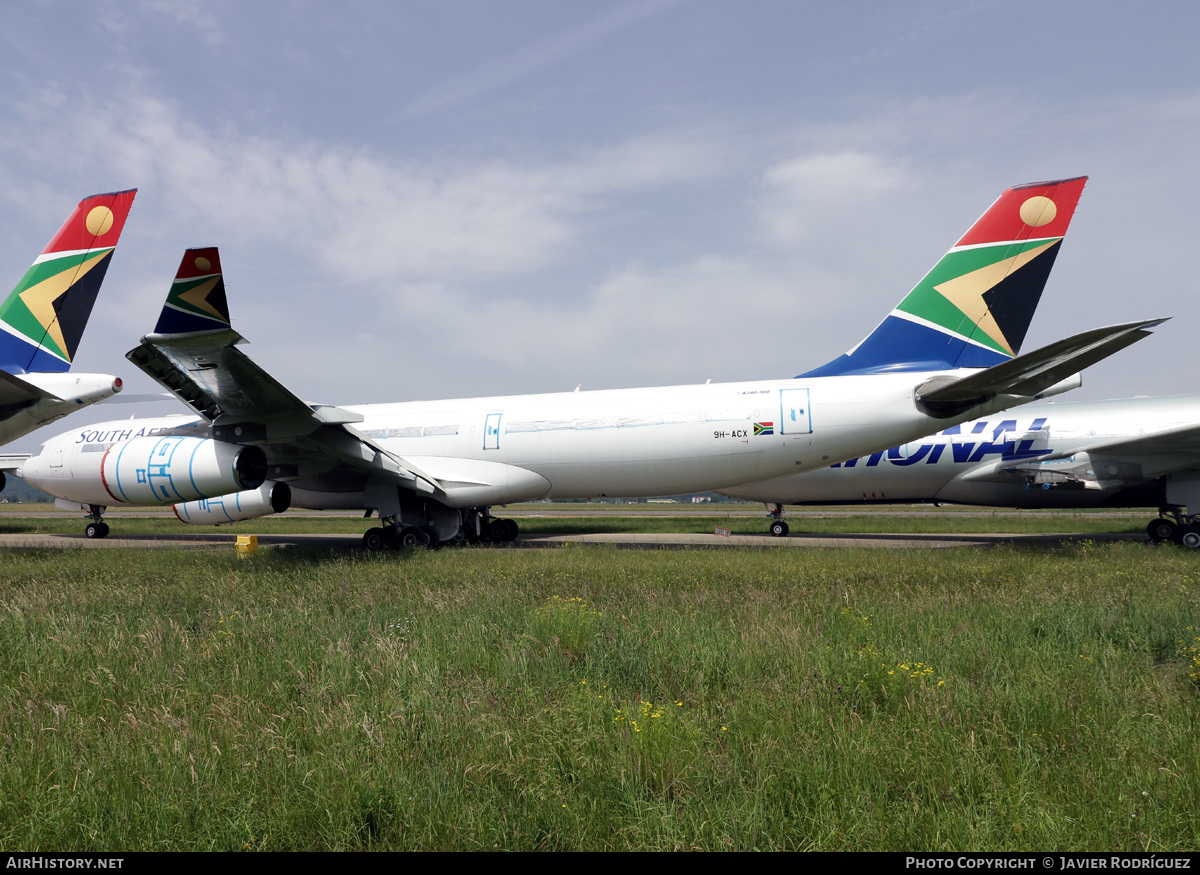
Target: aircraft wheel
1160, 530
497, 530
779, 529
375, 539
409, 538
104, 530
511, 530
1189, 536
96, 530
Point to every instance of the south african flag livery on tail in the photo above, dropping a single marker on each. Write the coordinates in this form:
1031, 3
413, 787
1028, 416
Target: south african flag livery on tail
973, 309
43, 319
196, 301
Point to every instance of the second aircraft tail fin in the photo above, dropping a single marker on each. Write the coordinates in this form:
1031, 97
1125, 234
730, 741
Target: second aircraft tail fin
196, 302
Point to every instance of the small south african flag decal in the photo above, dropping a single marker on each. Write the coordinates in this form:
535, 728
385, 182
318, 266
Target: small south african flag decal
764, 428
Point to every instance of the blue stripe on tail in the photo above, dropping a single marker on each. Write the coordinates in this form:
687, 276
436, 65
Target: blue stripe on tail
899, 345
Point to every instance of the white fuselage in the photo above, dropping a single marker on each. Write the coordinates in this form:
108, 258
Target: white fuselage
626, 442
72, 392
994, 461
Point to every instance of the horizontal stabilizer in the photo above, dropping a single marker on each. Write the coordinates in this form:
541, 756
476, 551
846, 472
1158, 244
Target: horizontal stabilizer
18, 393
1033, 373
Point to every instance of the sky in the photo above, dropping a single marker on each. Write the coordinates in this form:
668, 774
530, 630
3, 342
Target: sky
421, 200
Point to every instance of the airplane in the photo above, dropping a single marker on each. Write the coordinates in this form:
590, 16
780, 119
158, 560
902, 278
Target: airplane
1134, 452
42, 320
433, 470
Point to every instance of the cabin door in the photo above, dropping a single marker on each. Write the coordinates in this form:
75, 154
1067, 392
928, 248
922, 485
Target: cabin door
796, 415
491, 432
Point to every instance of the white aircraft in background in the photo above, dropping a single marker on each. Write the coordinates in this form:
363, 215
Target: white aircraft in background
433, 469
42, 320
1136, 452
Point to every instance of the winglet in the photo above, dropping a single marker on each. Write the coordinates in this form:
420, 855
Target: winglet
197, 300
973, 309
44, 316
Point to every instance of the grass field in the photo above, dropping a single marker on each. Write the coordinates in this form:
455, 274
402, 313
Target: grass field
595, 698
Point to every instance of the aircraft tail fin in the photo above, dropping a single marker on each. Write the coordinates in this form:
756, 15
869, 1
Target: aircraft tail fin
196, 302
973, 308
42, 320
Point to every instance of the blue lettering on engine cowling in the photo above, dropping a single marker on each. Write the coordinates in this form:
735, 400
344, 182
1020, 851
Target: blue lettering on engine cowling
967, 451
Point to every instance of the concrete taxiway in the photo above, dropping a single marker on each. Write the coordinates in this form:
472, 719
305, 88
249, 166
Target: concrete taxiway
640, 540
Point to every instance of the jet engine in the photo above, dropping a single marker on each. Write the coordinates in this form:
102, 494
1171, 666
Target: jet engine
163, 470
271, 497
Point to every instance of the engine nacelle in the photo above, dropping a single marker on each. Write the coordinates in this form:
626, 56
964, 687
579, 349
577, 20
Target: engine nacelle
164, 470
271, 497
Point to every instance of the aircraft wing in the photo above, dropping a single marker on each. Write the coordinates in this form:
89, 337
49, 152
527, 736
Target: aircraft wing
1035, 372
1184, 439
208, 373
193, 353
1136, 457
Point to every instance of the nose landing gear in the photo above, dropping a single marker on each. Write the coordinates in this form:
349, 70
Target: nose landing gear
97, 528
778, 527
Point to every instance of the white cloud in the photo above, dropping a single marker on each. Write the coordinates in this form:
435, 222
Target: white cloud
809, 195
358, 214
195, 15
715, 317
533, 58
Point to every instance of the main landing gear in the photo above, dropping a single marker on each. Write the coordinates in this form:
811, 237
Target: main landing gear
498, 532
97, 528
475, 526
778, 527
387, 538
1180, 528
390, 536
